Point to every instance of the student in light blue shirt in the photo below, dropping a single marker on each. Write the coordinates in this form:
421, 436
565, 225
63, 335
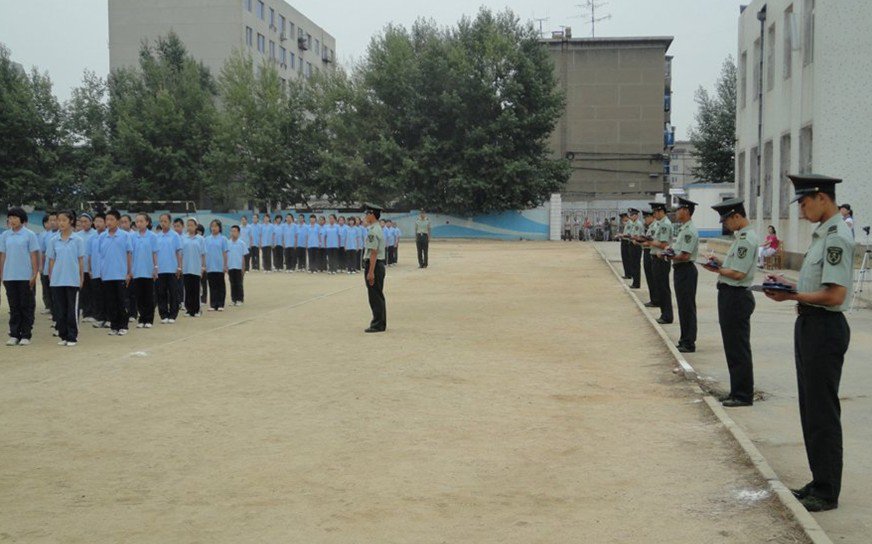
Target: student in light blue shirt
390, 242
343, 241
289, 233
66, 255
278, 242
116, 266
86, 293
322, 244
19, 267
266, 243
301, 234
245, 235
193, 266
313, 243
254, 233
92, 258
145, 248
216, 266
49, 226
237, 249
351, 245
169, 269
331, 244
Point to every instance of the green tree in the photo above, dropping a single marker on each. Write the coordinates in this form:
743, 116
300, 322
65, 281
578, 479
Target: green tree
161, 117
714, 136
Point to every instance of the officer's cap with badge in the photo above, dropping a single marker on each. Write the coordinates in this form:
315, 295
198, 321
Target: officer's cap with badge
372, 209
810, 184
685, 203
728, 207
658, 206
633, 211
647, 213
622, 214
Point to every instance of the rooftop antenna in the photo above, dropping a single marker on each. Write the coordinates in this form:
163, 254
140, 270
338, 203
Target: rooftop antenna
590, 7
542, 21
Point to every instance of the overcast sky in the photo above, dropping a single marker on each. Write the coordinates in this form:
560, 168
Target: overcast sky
65, 37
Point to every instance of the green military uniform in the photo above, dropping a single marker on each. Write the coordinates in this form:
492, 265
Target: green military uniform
821, 338
686, 279
740, 257
649, 231
422, 241
662, 269
375, 240
634, 228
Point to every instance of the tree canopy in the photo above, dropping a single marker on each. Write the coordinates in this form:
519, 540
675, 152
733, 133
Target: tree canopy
714, 136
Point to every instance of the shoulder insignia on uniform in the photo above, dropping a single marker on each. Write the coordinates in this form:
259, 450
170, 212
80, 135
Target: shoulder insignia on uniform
687, 238
741, 252
834, 255
832, 229
371, 237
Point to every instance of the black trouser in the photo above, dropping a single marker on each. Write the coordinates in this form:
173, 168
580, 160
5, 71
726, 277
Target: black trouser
237, 293
167, 303
204, 288
735, 306
661, 269
649, 276
217, 289
115, 300
179, 291
144, 289
422, 243
322, 259
130, 301
350, 256
313, 259
254, 254
333, 258
99, 300
625, 257
685, 278
635, 255
46, 291
376, 295
86, 302
343, 259
279, 257
192, 294
267, 252
290, 258
66, 301
246, 259
301, 258
22, 305
820, 341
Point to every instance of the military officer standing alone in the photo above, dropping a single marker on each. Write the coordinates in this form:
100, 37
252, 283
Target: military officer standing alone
686, 248
736, 302
660, 267
374, 265
422, 239
821, 336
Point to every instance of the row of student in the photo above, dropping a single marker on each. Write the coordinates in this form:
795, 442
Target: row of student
127, 270
323, 244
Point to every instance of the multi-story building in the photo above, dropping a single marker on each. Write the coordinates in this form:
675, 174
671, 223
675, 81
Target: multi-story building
681, 165
616, 128
270, 30
808, 69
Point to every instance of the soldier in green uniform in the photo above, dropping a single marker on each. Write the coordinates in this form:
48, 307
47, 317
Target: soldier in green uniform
735, 300
374, 264
821, 336
635, 228
650, 227
422, 239
660, 267
686, 248
625, 245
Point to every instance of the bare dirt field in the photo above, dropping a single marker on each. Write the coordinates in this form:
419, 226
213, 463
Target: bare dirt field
517, 397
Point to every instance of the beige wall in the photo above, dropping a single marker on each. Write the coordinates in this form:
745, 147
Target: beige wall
614, 116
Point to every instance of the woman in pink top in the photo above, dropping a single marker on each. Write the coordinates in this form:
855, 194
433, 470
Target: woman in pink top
769, 247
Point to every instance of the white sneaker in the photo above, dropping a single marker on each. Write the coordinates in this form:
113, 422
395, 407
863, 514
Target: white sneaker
122, 332
45, 312
99, 324
210, 309
221, 309
131, 320
239, 303
54, 332
62, 343
148, 325
71, 344
170, 321
164, 321
113, 333
140, 325
24, 342
12, 342
89, 320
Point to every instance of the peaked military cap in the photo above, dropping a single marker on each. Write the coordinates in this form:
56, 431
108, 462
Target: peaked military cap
809, 184
685, 203
633, 211
658, 206
729, 207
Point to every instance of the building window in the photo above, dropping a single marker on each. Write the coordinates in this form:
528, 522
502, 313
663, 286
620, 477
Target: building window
784, 190
291, 30
743, 79
317, 47
740, 177
292, 61
247, 4
309, 40
249, 36
272, 50
808, 33
806, 143
261, 43
767, 180
272, 18
283, 55
755, 69
282, 24
770, 59
754, 183
789, 21
260, 10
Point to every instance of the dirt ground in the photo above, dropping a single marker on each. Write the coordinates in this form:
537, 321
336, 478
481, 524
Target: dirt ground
518, 396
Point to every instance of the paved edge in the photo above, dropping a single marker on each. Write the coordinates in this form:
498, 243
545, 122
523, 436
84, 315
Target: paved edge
802, 517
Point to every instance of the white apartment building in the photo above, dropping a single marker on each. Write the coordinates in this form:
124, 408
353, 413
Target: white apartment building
681, 164
817, 108
270, 30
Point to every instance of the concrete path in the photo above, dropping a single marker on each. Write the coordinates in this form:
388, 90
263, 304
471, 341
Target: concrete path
773, 423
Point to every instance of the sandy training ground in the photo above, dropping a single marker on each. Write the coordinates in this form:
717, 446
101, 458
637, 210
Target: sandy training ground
517, 397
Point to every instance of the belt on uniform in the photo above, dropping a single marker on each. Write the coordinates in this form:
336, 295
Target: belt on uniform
724, 286
377, 260
805, 309
682, 263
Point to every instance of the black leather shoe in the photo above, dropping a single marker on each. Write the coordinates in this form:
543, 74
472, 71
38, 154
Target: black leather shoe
650, 305
686, 349
736, 403
634, 287
816, 504
803, 491
663, 321
372, 329
723, 397
625, 277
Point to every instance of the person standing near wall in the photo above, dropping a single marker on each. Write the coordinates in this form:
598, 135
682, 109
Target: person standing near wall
422, 239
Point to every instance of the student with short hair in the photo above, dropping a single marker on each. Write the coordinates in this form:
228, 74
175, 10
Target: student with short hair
313, 244
204, 281
216, 266
92, 256
254, 233
126, 225
266, 243
289, 243
169, 269
237, 249
19, 267
331, 244
49, 226
245, 234
193, 267
145, 269
66, 266
342, 262
178, 281
351, 245
116, 272
301, 235
86, 296
279, 228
